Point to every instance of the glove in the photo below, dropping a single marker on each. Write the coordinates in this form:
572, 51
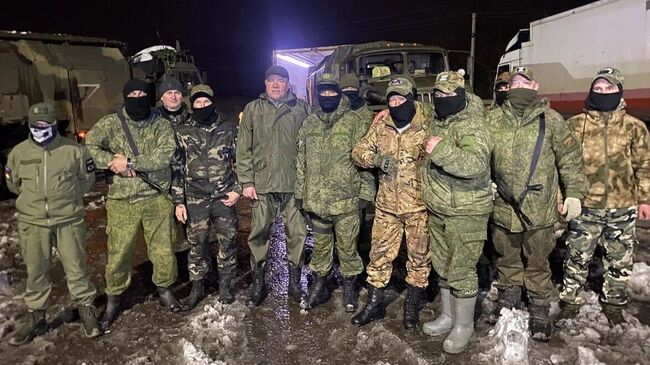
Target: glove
571, 209
298, 204
386, 163
364, 204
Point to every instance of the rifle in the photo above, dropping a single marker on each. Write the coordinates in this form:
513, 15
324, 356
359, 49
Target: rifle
506, 194
108, 177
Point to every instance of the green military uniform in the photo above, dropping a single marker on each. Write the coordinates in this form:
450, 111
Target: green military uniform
177, 118
266, 159
133, 203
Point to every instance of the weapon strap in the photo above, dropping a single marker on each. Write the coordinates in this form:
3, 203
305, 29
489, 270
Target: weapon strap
127, 133
533, 163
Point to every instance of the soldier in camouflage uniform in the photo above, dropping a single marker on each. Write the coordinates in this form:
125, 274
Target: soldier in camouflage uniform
171, 96
395, 146
456, 190
205, 191
50, 175
617, 164
501, 86
332, 189
515, 128
132, 202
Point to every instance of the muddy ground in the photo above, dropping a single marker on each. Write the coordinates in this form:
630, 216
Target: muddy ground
276, 332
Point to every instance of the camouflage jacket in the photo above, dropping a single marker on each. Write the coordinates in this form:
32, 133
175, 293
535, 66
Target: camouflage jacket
456, 175
175, 120
156, 144
615, 156
402, 193
328, 181
50, 180
364, 115
267, 144
203, 162
514, 141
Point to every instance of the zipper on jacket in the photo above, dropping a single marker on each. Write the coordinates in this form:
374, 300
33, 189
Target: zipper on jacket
47, 213
606, 162
397, 168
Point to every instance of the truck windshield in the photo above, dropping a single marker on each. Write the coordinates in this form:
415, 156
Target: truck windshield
394, 61
426, 63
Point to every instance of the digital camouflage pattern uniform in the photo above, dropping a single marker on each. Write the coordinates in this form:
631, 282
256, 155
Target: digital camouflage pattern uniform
514, 141
616, 159
399, 205
132, 203
456, 191
203, 175
267, 150
176, 119
331, 185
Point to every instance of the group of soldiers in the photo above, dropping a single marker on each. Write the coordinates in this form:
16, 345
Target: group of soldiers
442, 174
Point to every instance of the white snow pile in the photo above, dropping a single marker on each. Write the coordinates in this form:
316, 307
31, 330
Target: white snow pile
586, 356
194, 356
8, 240
386, 346
639, 286
507, 342
97, 204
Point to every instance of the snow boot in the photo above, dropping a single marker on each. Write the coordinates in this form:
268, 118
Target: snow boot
463, 329
613, 312
539, 323
567, 311
226, 292
196, 294
445, 320
412, 307
167, 299
295, 287
111, 312
33, 325
258, 291
374, 308
318, 293
509, 297
88, 317
350, 294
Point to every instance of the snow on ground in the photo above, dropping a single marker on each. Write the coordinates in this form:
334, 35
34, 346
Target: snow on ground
97, 203
383, 343
507, 342
639, 286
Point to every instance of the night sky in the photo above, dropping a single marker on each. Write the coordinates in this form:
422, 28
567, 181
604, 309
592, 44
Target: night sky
233, 40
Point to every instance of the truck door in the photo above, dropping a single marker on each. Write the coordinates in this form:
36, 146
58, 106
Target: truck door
88, 98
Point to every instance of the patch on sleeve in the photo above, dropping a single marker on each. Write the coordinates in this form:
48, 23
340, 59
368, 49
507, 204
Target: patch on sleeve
90, 165
7, 173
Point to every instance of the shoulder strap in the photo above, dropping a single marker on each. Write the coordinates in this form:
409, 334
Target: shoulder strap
127, 133
533, 163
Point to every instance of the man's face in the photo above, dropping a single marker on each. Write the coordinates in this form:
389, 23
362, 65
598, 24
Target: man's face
201, 102
396, 100
520, 82
350, 88
327, 93
602, 86
502, 87
172, 100
277, 87
136, 94
441, 94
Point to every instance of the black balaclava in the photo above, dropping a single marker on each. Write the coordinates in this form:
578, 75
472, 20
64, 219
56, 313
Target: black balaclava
500, 97
450, 105
604, 102
403, 114
43, 134
521, 98
175, 113
329, 103
137, 108
356, 101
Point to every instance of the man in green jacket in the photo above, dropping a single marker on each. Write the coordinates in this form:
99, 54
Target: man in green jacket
266, 167
332, 189
532, 143
133, 202
456, 190
50, 175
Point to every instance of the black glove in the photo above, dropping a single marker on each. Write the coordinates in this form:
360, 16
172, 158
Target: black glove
386, 163
364, 204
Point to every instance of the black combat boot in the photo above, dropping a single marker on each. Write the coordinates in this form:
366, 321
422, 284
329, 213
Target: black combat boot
111, 312
196, 294
318, 293
350, 294
509, 297
374, 308
412, 307
257, 292
539, 323
295, 287
88, 317
567, 311
226, 292
33, 325
613, 312
167, 299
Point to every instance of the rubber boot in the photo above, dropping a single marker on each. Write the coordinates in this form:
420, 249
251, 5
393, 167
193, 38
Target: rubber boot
350, 294
196, 295
226, 292
374, 308
112, 311
613, 312
88, 318
509, 297
412, 307
258, 291
539, 323
567, 311
463, 330
167, 299
295, 287
34, 324
318, 293
445, 321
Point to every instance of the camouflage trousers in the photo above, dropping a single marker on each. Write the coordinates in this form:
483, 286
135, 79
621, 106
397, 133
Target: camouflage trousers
36, 247
155, 216
522, 259
456, 245
346, 229
387, 234
202, 214
614, 230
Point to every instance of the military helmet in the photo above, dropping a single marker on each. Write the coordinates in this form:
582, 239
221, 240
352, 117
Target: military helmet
41, 112
449, 81
614, 76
